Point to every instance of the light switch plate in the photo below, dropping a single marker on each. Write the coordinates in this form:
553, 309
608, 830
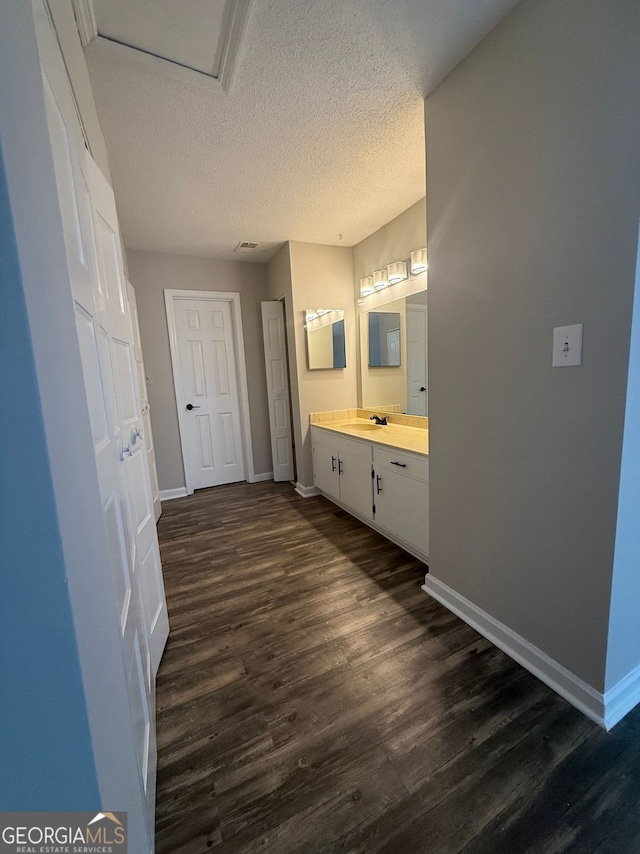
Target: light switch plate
567, 345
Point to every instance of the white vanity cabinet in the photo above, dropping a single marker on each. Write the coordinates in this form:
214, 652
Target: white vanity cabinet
384, 487
401, 496
342, 470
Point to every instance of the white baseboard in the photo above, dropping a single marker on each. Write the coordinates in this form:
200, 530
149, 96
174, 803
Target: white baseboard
605, 709
170, 494
620, 699
306, 491
259, 478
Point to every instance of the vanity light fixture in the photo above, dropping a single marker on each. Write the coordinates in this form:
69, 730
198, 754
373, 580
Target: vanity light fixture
366, 286
397, 272
380, 280
418, 261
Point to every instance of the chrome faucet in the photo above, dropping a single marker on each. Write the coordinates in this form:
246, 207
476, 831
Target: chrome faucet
378, 420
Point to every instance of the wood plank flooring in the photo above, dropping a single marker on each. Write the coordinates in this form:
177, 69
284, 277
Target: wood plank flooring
313, 699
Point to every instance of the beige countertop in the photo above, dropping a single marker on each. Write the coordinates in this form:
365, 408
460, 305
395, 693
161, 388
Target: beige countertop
414, 439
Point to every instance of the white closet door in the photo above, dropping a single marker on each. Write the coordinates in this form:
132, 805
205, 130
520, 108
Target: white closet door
276, 365
115, 310
105, 340
144, 402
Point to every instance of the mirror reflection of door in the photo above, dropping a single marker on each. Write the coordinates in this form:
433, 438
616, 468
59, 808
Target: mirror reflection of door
393, 346
417, 401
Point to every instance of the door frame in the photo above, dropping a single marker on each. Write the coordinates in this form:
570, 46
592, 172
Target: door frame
233, 299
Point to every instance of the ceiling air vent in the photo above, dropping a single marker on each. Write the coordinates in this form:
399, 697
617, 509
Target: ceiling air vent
246, 246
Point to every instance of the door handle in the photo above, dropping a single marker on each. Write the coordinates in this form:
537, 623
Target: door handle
136, 434
378, 484
333, 463
402, 465
122, 450
422, 388
190, 406
339, 466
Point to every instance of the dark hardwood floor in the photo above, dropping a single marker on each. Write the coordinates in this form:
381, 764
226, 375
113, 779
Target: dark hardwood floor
313, 699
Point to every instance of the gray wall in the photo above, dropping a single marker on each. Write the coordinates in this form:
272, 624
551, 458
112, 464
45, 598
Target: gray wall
393, 242
533, 188
150, 273
47, 756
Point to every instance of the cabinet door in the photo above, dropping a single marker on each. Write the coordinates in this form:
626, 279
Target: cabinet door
325, 468
402, 507
355, 483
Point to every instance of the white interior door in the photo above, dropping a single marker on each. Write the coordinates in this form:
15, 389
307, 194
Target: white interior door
144, 403
205, 369
275, 359
111, 282
417, 391
105, 340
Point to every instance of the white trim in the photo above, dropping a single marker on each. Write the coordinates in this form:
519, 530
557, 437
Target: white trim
170, 494
306, 491
237, 25
259, 478
581, 695
623, 697
100, 46
172, 294
86, 20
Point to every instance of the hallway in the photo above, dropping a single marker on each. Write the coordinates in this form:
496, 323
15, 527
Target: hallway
313, 699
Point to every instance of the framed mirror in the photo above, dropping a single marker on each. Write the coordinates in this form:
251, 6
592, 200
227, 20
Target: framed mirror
325, 338
390, 380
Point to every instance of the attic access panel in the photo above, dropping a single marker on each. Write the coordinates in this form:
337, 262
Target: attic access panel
196, 41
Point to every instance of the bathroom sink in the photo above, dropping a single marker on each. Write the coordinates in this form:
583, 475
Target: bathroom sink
363, 428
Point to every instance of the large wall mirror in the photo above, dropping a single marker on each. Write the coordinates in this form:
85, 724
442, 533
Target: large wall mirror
393, 355
325, 338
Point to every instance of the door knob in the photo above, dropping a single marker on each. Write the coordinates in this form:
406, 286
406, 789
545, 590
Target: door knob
190, 406
422, 388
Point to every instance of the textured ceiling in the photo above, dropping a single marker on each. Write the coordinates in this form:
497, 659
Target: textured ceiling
320, 138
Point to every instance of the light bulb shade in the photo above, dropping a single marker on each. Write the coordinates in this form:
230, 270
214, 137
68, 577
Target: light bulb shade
418, 261
397, 272
380, 280
366, 286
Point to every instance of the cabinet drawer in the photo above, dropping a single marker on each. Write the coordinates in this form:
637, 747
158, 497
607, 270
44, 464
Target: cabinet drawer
410, 465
